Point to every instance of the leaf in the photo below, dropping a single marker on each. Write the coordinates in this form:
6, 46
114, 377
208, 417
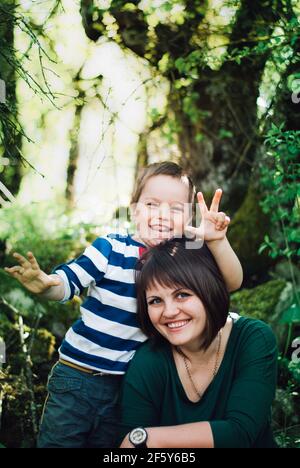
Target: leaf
294, 235
199, 137
180, 64
223, 133
262, 248
167, 6
291, 315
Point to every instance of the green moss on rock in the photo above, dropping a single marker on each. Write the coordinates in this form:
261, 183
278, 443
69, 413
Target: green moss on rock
259, 302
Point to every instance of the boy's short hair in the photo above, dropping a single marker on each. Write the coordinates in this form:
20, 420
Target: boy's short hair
172, 264
162, 168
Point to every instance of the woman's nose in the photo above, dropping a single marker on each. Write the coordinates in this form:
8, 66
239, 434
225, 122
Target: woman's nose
170, 310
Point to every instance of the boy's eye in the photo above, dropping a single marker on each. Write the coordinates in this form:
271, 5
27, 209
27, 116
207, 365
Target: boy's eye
152, 204
177, 208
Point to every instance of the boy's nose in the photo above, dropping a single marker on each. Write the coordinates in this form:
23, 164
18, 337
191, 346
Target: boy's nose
164, 211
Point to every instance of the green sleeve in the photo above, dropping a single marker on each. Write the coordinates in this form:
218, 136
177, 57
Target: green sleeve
252, 392
142, 391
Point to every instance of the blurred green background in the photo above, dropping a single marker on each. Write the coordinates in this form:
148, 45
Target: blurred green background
92, 90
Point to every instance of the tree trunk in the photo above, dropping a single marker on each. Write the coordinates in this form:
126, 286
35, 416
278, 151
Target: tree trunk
74, 149
219, 145
10, 136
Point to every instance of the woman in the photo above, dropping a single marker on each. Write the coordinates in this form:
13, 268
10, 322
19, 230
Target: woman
205, 378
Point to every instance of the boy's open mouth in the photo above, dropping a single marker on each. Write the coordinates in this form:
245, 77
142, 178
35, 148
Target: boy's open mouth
160, 228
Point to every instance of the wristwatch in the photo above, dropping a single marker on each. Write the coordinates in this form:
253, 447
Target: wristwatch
138, 437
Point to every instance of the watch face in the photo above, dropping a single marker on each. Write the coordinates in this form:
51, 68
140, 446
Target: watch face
138, 436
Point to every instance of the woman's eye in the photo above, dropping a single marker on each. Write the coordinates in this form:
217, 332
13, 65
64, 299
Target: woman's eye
183, 295
154, 301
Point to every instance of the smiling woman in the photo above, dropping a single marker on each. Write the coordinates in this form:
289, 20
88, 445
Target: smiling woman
206, 377
182, 304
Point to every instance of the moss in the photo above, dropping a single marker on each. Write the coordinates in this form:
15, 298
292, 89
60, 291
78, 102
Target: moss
259, 302
43, 347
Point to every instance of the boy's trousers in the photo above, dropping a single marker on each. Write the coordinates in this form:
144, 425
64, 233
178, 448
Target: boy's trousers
81, 409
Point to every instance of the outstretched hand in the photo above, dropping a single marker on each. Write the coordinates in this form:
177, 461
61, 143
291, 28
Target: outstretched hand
30, 275
213, 224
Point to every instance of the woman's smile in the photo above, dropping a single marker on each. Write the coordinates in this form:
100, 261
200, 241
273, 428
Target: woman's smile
178, 325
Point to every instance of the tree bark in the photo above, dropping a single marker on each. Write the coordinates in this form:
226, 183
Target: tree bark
227, 124
10, 136
74, 142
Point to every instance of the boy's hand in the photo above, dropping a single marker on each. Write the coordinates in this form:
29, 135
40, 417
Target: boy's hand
214, 224
29, 274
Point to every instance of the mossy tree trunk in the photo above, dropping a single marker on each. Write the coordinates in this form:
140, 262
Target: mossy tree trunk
10, 135
74, 144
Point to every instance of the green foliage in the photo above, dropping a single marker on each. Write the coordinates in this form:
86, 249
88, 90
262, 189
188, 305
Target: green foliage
45, 230
285, 414
32, 328
178, 37
291, 315
271, 302
294, 368
29, 353
12, 65
17, 428
280, 173
187, 66
43, 346
170, 130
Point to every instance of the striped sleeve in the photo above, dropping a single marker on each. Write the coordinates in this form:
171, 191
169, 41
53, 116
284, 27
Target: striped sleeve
85, 270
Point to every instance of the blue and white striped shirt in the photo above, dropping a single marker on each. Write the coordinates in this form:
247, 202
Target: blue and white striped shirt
107, 335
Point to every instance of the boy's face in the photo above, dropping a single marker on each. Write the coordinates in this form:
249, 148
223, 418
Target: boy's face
163, 209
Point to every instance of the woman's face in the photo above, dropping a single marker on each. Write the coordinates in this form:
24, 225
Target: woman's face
177, 314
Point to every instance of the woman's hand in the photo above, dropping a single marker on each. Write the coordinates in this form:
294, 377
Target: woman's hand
213, 224
29, 274
126, 444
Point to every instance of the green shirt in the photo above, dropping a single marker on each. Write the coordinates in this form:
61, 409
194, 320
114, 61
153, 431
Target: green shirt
237, 403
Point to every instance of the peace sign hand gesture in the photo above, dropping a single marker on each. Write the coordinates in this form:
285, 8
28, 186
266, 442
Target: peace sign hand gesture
213, 224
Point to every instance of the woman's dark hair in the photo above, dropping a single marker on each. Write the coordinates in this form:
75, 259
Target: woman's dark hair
171, 264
